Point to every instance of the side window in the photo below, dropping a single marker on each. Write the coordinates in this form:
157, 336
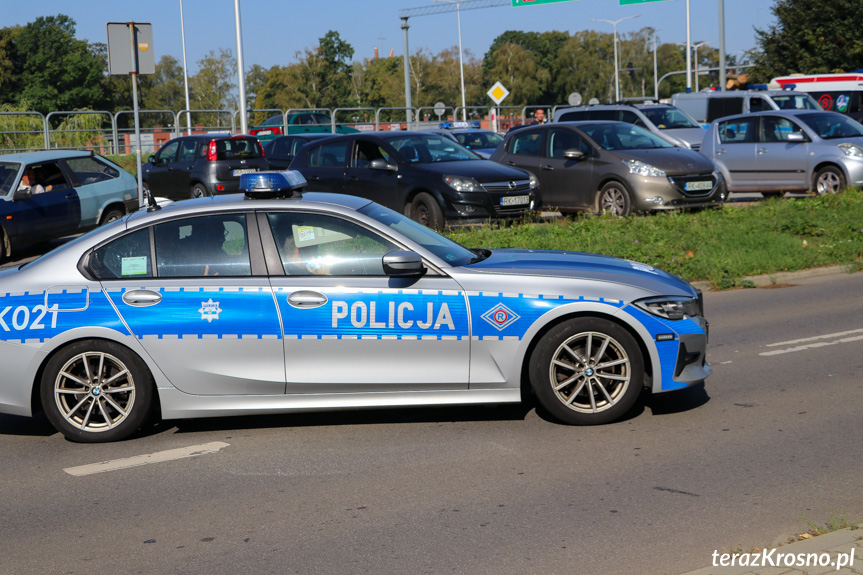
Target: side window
759, 104
721, 107
329, 155
127, 257
610, 115
168, 152
631, 117
365, 152
50, 177
526, 143
776, 129
281, 148
312, 244
560, 140
573, 116
90, 170
203, 246
738, 131
187, 151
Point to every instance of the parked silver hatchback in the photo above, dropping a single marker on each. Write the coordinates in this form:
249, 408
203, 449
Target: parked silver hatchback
788, 150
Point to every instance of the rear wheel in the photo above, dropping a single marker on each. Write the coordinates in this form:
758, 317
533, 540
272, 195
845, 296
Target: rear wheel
829, 180
614, 198
426, 210
96, 391
111, 215
587, 371
198, 191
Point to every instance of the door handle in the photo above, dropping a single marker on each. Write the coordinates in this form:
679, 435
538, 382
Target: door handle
314, 178
141, 297
762, 150
307, 299
720, 151
510, 163
548, 167
71, 196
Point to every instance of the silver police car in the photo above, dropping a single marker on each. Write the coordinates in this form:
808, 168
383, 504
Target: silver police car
238, 305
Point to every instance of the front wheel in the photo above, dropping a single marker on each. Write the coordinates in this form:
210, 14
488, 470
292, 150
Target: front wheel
426, 210
587, 371
614, 198
829, 180
96, 391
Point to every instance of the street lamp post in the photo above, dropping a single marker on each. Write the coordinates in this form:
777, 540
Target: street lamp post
460, 58
185, 75
614, 24
695, 47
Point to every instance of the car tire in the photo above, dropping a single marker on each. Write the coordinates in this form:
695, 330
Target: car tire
112, 215
587, 371
426, 210
198, 191
828, 180
96, 391
614, 198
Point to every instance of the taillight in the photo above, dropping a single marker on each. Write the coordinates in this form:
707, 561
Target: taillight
211, 151
261, 149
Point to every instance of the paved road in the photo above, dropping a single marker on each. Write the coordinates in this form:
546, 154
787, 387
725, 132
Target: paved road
774, 436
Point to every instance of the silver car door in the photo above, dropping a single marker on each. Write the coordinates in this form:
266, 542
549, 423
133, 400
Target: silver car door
348, 327
735, 151
208, 323
782, 163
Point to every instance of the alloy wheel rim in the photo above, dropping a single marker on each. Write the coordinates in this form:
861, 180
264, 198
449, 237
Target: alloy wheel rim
613, 202
590, 372
828, 183
94, 391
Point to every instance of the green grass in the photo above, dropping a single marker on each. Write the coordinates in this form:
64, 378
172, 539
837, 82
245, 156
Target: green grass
718, 245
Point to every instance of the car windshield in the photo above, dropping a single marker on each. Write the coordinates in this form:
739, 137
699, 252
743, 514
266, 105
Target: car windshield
427, 149
830, 126
8, 172
620, 136
447, 250
796, 102
479, 139
670, 118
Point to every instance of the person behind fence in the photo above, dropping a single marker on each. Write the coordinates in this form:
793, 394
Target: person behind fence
28, 183
538, 117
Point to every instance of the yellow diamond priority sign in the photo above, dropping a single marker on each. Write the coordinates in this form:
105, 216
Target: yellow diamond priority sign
498, 93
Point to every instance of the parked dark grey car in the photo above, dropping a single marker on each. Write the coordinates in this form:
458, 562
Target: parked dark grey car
611, 167
202, 165
431, 178
281, 151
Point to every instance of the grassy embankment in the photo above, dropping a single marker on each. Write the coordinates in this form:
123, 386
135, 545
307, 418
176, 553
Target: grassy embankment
719, 245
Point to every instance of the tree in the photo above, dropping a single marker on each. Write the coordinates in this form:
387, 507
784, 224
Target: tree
212, 88
810, 37
10, 65
518, 70
58, 72
543, 47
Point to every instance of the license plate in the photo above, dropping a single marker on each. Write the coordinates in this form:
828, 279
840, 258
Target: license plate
244, 171
514, 200
265, 133
697, 186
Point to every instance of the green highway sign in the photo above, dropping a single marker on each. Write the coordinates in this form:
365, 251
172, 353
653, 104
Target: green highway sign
630, 2
535, 2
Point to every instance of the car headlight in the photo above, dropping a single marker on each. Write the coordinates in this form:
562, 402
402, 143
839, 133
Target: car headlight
534, 181
463, 184
852, 150
639, 168
673, 308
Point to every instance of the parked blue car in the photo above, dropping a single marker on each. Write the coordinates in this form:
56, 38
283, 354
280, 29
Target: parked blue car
64, 192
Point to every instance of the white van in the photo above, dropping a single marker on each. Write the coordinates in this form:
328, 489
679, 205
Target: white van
708, 106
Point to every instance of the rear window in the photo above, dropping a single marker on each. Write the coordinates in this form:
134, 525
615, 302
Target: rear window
234, 148
91, 170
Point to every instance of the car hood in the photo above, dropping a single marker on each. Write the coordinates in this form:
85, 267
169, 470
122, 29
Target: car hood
481, 170
578, 265
674, 161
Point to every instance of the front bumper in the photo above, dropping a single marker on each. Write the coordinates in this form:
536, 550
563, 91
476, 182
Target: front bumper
665, 193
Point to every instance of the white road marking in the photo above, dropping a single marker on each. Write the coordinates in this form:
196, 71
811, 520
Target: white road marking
815, 342
138, 460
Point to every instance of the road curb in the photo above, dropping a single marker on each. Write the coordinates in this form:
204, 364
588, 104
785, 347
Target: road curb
837, 541
768, 280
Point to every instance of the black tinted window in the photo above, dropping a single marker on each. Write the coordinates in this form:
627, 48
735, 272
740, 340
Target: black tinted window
526, 143
203, 246
329, 155
233, 148
125, 257
90, 170
721, 107
573, 116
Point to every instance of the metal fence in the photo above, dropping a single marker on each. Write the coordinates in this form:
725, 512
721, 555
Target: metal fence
108, 133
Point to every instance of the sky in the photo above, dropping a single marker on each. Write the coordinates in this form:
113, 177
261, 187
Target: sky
273, 31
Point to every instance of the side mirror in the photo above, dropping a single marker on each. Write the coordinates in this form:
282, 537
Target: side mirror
403, 263
380, 164
573, 154
21, 195
796, 137
152, 159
